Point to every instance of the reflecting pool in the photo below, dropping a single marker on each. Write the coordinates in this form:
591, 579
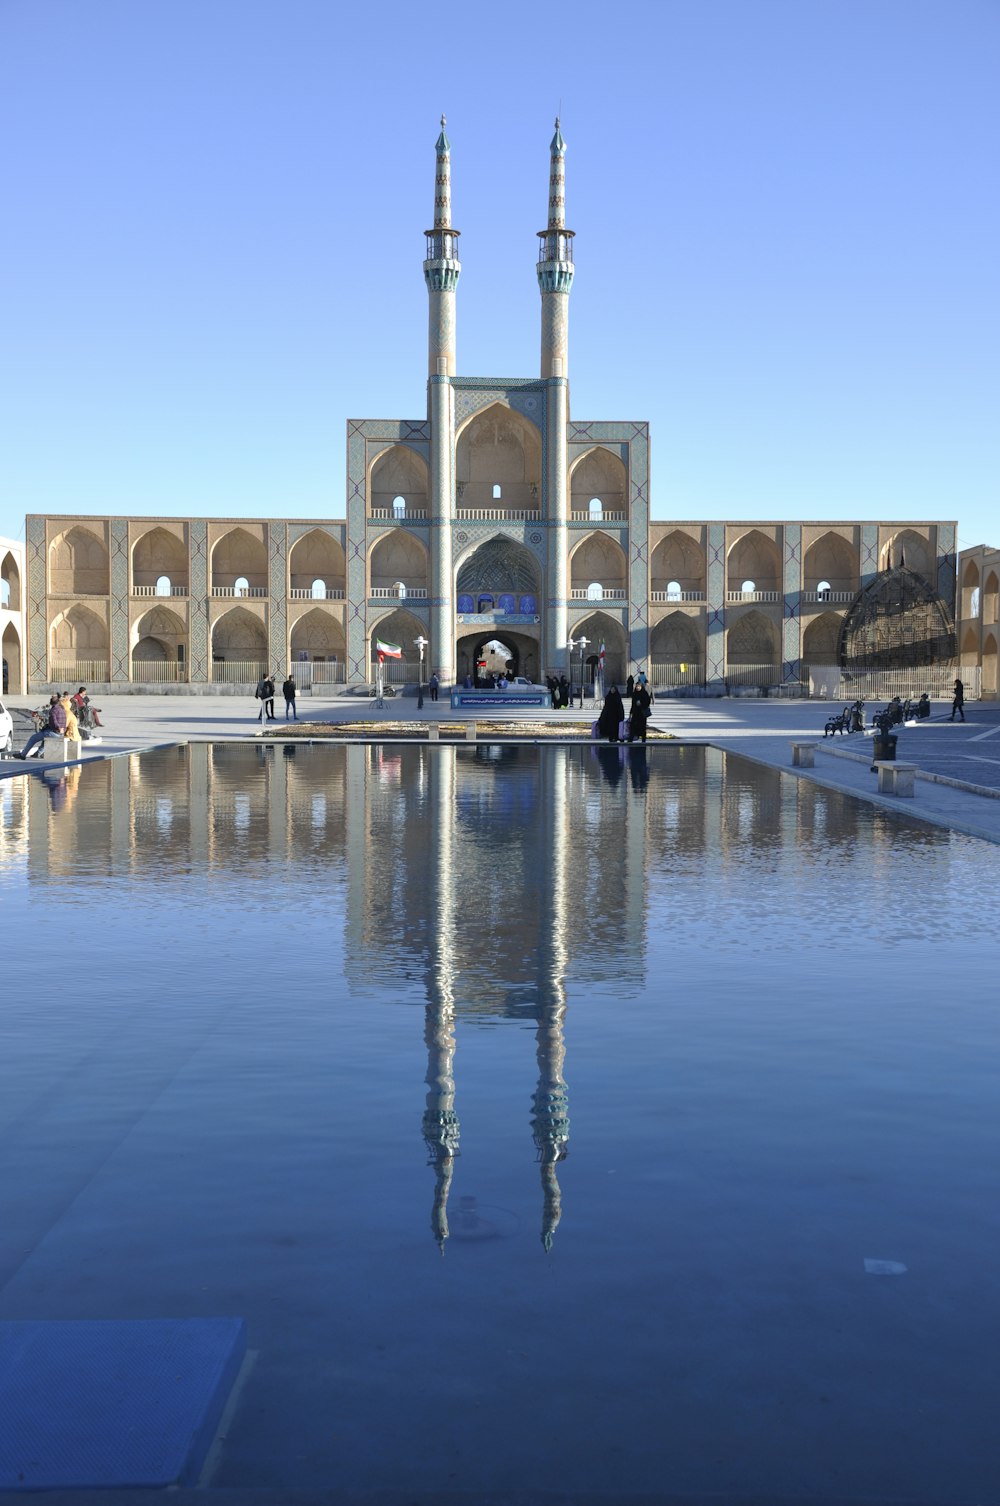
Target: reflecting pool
538, 1108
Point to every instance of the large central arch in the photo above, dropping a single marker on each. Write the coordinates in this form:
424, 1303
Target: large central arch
498, 462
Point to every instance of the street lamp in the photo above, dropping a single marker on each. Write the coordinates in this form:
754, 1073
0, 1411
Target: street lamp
582, 644
421, 643
570, 646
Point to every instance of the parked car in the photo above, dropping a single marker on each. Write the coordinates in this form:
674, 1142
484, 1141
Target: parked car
518, 683
6, 732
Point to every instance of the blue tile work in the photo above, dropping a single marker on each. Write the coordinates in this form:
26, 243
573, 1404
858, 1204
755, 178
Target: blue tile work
715, 616
112, 1405
34, 560
946, 565
199, 601
118, 551
791, 626
869, 553
277, 585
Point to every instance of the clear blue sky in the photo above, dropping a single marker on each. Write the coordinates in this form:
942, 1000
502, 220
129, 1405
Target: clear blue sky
788, 243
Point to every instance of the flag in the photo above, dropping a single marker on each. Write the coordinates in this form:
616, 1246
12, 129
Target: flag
390, 650
600, 657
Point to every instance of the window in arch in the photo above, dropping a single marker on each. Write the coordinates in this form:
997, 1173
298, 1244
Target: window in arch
319, 590
673, 590
974, 602
595, 591
242, 586
824, 588
399, 507
497, 492
748, 587
596, 509
400, 589
163, 585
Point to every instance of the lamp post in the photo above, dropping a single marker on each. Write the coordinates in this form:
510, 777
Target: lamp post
421, 643
582, 643
570, 646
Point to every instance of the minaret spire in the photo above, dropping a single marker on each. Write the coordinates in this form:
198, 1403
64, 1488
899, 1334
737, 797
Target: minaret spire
442, 182
442, 269
555, 278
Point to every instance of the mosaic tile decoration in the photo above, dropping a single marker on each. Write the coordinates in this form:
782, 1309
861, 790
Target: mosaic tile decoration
715, 619
869, 553
946, 566
198, 655
34, 569
277, 585
119, 601
791, 626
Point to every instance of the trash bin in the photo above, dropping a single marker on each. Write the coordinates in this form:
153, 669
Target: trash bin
885, 748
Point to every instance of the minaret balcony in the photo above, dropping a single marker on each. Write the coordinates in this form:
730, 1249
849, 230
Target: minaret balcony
442, 276
555, 276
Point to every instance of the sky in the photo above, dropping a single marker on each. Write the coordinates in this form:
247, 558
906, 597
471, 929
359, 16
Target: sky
787, 244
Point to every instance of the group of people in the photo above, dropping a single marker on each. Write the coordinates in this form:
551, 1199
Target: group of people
614, 724
558, 690
265, 695
68, 716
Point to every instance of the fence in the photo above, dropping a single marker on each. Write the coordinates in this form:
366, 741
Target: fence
232, 672
318, 672
158, 672
81, 670
666, 676
882, 684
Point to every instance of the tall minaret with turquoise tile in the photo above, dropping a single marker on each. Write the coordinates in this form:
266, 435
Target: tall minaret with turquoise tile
555, 279
441, 273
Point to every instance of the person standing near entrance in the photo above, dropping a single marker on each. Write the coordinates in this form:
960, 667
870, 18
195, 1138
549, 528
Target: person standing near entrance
288, 691
958, 704
434, 685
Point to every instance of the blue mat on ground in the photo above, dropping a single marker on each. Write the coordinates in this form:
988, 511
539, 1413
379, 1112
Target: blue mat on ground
113, 1404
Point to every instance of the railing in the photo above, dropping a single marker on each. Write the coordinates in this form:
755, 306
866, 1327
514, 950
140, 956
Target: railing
841, 597
80, 670
392, 593
666, 676
306, 593
319, 672
601, 517
737, 596
658, 596
158, 672
152, 591
239, 591
753, 674
399, 671
882, 684
498, 514
238, 673
389, 515
608, 593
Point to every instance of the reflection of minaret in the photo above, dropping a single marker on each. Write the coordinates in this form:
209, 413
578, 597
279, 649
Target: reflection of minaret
550, 1104
441, 1127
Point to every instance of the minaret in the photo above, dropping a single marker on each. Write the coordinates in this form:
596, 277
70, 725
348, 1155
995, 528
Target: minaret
441, 273
555, 279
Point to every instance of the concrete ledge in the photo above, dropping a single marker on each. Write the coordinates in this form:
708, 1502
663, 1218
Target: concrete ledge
895, 778
803, 755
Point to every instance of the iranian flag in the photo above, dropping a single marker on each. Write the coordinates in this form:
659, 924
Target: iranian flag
388, 650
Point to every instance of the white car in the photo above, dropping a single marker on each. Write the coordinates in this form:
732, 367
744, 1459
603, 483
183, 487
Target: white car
520, 684
6, 732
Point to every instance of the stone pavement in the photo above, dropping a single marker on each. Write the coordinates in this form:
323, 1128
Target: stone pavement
967, 754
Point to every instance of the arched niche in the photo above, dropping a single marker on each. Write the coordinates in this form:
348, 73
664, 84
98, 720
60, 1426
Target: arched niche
597, 627
318, 635
754, 557
753, 641
10, 583
600, 476
989, 597
990, 665
833, 560
969, 652
911, 550
402, 627
11, 648
78, 563
317, 556
971, 593
398, 472
600, 558
676, 640
821, 640
498, 447
239, 555
159, 646
239, 637
398, 556
78, 644
500, 565
159, 553
678, 558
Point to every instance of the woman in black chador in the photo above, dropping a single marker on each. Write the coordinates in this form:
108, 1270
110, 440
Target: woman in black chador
642, 704
612, 715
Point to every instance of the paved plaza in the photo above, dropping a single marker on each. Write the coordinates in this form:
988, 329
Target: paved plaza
961, 762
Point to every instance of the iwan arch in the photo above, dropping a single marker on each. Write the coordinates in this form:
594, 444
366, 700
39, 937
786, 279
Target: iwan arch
497, 516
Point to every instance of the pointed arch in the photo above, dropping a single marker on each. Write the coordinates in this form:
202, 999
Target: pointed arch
398, 556
11, 651
599, 475
598, 626
598, 558
498, 447
10, 577
821, 640
78, 563
240, 638
78, 645
159, 647
156, 553
317, 555
676, 639
499, 566
402, 627
398, 472
754, 557
834, 560
678, 558
990, 665
913, 550
236, 555
752, 641
318, 635
971, 599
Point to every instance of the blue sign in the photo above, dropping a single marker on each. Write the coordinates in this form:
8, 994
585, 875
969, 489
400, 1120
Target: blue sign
513, 701
494, 619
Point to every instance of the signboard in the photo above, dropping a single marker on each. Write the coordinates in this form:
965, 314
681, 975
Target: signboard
499, 700
494, 619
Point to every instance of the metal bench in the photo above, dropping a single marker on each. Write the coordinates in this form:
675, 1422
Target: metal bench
895, 778
803, 755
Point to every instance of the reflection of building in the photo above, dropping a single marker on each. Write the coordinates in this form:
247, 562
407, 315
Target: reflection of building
979, 619
495, 516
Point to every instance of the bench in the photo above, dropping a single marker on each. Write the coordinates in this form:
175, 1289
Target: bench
803, 755
895, 778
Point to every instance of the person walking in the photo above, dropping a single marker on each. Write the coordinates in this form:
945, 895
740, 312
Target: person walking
288, 691
269, 699
642, 705
612, 715
958, 704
